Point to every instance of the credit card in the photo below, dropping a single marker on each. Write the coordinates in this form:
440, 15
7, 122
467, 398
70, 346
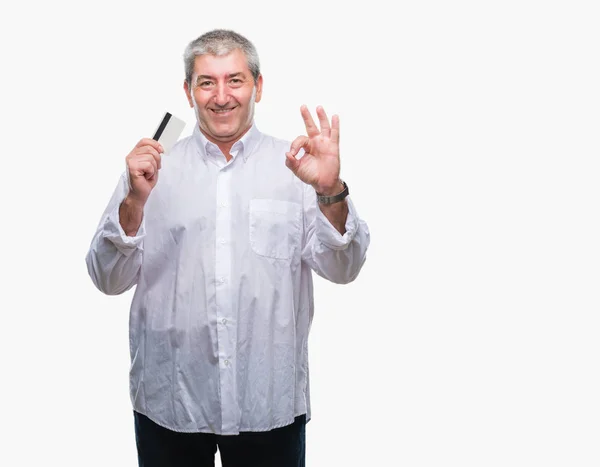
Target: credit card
168, 131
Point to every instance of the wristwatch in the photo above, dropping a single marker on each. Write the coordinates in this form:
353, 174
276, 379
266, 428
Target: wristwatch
335, 198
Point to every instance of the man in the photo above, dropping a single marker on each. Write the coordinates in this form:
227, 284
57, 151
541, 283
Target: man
221, 236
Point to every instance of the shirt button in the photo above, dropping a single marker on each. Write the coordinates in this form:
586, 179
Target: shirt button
222, 241
224, 321
227, 362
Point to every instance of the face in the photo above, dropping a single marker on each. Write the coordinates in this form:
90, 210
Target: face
223, 95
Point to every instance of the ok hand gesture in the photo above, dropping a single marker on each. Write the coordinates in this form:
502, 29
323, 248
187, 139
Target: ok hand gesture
320, 164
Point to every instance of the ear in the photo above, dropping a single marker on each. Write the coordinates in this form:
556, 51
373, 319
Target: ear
188, 93
259, 84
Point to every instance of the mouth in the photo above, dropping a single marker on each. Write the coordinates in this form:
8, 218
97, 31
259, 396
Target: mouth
223, 112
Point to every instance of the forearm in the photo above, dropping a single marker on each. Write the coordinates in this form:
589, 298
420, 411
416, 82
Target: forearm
335, 252
336, 213
115, 256
112, 271
131, 214
338, 258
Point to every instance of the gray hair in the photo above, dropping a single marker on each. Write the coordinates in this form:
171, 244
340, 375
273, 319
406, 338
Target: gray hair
220, 42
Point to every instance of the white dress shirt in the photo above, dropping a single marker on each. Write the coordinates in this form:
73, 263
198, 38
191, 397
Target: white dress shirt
221, 313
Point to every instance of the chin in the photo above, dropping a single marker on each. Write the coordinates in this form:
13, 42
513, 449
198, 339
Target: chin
223, 131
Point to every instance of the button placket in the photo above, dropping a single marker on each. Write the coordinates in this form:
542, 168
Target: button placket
225, 334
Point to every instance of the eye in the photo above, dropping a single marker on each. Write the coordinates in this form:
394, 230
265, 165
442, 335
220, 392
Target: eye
205, 84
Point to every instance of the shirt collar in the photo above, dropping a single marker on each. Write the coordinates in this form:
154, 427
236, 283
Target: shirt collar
245, 145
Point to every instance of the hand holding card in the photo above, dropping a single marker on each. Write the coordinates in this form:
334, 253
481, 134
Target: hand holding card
143, 164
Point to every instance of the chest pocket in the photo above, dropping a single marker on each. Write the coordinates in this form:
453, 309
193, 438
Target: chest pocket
275, 227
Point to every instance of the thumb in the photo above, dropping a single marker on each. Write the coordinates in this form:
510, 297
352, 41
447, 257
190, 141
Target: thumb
298, 143
291, 162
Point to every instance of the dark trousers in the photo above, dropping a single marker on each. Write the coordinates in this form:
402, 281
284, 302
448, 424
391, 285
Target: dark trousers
160, 447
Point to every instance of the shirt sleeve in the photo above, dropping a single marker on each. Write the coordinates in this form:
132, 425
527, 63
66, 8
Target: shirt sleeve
338, 258
114, 259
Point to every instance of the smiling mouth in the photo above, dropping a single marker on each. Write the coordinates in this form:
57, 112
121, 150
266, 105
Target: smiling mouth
223, 111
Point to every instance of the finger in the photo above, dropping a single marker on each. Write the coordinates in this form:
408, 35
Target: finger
151, 151
323, 121
145, 168
158, 160
146, 150
150, 142
291, 162
309, 123
335, 129
142, 162
154, 170
300, 142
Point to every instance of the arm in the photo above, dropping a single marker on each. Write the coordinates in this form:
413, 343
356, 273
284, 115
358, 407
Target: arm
335, 239
115, 255
335, 256
336, 213
114, 258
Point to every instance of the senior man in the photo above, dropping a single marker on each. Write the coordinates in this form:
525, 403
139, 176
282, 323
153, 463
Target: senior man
220, 238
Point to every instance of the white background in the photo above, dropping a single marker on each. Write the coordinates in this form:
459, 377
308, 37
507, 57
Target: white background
470, 145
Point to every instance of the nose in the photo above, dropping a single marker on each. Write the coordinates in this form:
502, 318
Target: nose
221, 96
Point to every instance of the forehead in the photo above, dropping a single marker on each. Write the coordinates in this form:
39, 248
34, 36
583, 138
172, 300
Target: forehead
222, 65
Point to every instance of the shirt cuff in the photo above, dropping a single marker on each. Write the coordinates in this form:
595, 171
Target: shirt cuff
329, 235
115, 233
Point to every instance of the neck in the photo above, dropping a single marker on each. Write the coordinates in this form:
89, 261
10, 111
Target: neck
225, 146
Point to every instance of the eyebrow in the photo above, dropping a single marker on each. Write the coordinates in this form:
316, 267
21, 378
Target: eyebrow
230, 75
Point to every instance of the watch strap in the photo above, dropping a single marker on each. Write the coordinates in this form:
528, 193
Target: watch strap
335, 198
